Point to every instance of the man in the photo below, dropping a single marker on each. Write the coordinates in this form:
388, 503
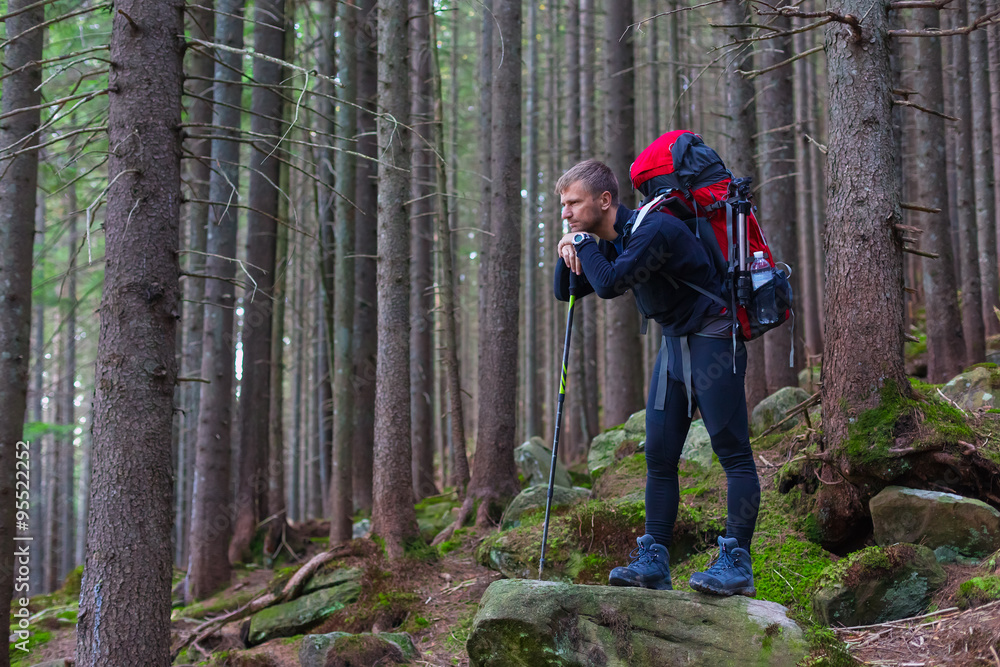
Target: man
659, 262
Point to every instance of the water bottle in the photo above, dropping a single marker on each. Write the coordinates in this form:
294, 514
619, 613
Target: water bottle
760, 275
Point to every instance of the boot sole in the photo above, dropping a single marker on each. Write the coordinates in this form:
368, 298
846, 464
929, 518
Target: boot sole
661, 586
705, 588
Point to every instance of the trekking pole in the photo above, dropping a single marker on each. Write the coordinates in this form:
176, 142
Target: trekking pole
744, 286
558, 424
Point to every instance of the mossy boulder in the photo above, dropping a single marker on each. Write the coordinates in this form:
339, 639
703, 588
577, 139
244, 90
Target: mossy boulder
976, 388
292, 618
435, 513
534, 497
775, 407
878, 584
935, 519
698, 444
342, 649
548, 624
809, 379
977, 591
534, 460
616, 443
330, 578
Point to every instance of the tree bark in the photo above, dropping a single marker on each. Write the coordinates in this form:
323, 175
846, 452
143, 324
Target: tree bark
258, 298
588, 341
776, 189
393, 516
211, 515
803, 197
65, 409
366, 294
864, 279
494, 475
945, 345
623, 352
553, 227
421, 269
38, 471
982, 145
129, 559
532, 409
18, 187
341, 481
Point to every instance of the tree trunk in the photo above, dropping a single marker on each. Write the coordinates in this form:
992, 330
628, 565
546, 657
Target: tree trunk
299, 438
553, 227
208, 561
366, 294
588, 338
65, 409
982, 144
341, 481
202, 26
945, 346
18, 185
623, 352
421, 269
776, 190
130, 560
494, 475
319, 465
532, 412
258, 299
36, 393
803, 197
393, 516
864, 279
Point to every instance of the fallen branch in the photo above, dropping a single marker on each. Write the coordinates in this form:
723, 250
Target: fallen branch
804, 405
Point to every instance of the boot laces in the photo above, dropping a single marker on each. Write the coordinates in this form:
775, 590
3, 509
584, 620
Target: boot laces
642, 556
722, 563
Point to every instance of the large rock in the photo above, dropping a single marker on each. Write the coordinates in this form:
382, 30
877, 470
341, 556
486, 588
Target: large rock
534, 460
617, 443
292, 618
344, 649
975, 388
775, 407
698, 445
809, 379
878, 584
535, 497
548, 624
935, 519
330, 578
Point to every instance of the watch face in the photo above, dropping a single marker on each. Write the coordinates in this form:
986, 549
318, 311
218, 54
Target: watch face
580, 236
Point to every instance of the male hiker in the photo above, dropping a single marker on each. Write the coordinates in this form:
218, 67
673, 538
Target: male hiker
695, 367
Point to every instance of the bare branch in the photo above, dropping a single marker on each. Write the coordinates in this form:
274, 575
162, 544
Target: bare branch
907, 103
982, 21
753, 74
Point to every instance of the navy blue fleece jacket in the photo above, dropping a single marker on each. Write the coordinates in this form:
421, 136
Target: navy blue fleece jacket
660, 251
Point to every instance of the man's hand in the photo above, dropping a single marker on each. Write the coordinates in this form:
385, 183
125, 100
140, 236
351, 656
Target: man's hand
567, 251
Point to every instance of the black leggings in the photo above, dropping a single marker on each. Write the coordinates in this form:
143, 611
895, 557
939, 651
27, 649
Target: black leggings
719, 393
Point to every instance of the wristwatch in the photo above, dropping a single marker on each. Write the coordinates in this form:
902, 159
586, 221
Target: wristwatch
579, 238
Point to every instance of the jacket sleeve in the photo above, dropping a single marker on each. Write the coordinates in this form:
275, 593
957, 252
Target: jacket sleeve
561, 284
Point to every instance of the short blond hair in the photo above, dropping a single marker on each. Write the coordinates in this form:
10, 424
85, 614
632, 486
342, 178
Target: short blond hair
596, 176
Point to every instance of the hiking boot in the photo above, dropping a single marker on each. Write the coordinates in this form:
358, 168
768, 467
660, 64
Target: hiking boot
650, 567
730, 574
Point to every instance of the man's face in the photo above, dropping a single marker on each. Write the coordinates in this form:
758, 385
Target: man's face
582, 209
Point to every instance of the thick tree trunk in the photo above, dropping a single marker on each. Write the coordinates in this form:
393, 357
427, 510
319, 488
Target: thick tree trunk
973, 328
366, 294
17, 233
341, 481
258, 305
804, 199
532, 410
65, 408
623, 389
945, 345
211, 518
421, 268
129, 559
494, 475
982, 144
393, 517
776, 194
588, 338
864, 278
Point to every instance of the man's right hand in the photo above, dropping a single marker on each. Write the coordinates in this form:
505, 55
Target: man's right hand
567, 251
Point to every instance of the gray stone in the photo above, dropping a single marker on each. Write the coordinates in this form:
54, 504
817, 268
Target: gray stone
878, 584
361, 528
975, 388
292, 618
543, 623
775, 407
535, 497
315, 650
809, 379
935, 519
605, 447
698, 445
534, 461
636, 424
329, 578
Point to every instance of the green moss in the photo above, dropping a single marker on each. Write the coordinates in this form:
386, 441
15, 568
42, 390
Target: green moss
20, 658
978, 590
215, 604
455, 641
826, 650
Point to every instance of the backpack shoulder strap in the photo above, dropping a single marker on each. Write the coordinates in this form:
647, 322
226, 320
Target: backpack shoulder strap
651, 206
714, 297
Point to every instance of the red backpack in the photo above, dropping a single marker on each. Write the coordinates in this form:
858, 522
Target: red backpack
680, 175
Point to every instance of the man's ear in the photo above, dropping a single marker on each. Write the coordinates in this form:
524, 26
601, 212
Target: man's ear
605, 200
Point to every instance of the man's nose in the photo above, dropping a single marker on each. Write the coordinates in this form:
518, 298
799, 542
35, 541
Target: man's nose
566, 212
